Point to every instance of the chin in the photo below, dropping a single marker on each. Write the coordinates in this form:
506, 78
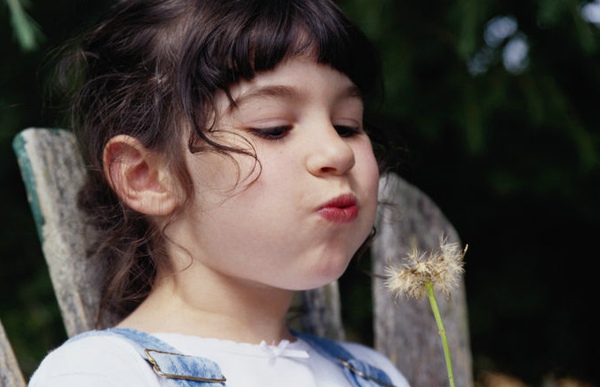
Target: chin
327, 274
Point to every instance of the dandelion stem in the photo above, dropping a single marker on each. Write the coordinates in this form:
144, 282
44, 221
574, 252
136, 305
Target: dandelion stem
441, 330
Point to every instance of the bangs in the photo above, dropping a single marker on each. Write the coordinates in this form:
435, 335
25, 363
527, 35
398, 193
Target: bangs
280, 30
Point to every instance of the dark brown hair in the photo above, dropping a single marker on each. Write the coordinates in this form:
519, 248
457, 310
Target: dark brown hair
151, 69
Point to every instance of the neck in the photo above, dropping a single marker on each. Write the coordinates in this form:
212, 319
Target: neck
215, 307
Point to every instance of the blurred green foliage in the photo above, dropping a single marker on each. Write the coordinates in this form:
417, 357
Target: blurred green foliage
26, 30
496, 102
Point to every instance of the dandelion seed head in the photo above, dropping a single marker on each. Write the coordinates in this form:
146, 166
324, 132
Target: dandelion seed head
442, 268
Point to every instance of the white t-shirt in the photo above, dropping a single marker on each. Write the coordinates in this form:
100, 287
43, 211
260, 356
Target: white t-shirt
110, 361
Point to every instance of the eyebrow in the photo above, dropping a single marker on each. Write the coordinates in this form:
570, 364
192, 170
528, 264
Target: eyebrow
276, 91
286, 92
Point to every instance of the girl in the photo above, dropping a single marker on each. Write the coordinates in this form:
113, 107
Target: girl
229, 167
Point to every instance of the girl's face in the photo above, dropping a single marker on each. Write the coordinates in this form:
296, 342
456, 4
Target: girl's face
294, 220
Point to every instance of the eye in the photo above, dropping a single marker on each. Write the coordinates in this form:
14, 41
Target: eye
275, 133
347, 131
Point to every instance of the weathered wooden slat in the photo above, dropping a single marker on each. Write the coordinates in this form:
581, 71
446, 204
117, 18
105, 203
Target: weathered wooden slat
405, 330
10, 373
53, 173
322, 314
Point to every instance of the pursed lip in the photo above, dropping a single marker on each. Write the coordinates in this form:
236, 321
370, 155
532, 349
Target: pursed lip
341, 209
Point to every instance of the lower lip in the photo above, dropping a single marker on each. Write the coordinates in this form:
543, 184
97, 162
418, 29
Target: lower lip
339, 214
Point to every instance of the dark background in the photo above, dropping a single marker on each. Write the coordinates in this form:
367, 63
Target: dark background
509, 152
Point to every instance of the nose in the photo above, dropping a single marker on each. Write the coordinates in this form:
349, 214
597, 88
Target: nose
330, 154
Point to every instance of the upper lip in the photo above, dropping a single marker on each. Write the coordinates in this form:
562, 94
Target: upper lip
341, 201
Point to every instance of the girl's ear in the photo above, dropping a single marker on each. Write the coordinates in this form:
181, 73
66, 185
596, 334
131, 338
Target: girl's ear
139, 176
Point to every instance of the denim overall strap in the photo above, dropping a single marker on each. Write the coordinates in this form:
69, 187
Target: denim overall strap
359, 373
175, 369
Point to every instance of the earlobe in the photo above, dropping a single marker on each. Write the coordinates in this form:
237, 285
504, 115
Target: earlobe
139, 176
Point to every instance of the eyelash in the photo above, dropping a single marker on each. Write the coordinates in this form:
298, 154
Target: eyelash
275, 133
347, 131
279, 132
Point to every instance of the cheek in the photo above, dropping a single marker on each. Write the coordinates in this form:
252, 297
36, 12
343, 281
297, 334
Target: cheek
367, 177
365, 159
217, 177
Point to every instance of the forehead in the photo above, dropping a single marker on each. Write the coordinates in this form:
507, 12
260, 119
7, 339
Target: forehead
295, 79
